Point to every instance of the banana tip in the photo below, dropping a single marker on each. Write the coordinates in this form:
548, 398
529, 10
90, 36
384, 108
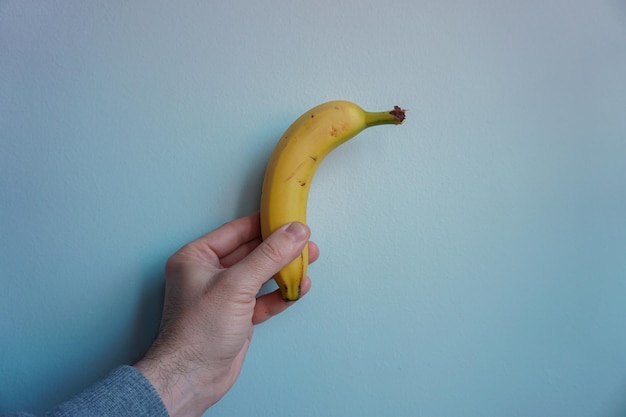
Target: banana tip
290, 296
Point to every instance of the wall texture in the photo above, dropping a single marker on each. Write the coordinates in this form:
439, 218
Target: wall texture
473, 260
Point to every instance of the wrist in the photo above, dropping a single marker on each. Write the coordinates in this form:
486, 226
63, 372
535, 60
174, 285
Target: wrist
173, 382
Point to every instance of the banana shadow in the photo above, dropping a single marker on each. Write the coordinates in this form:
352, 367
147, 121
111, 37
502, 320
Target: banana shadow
250, 194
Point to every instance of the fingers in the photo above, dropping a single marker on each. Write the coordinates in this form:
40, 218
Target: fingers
314, 252
271, 304
234, 240
245, 249
280, 248
239, 253
230, 236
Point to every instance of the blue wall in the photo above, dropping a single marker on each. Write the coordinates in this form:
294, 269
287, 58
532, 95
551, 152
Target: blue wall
473, 260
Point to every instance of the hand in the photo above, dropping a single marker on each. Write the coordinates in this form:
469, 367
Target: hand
210, 308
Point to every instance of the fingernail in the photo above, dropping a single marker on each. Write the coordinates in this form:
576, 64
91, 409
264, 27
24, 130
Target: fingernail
297, 231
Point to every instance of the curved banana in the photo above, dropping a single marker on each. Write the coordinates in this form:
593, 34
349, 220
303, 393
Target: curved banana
293, 163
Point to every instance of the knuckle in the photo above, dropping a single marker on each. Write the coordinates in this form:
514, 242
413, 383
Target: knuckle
271, 252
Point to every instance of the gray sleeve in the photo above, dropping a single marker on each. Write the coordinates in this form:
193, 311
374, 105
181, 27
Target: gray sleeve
125, 392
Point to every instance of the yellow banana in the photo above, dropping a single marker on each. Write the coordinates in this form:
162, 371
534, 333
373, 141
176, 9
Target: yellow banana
293, 163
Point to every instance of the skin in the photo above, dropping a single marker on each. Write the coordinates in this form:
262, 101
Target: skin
211, 307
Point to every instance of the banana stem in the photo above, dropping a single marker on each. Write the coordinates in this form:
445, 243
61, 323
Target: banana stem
393, 117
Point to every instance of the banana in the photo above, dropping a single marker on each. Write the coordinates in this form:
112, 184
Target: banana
293, 163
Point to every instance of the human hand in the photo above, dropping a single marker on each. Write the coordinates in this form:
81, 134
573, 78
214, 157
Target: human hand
210, 308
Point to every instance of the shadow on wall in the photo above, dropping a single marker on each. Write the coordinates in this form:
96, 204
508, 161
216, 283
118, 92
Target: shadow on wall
145, 327
250, 193
129, 344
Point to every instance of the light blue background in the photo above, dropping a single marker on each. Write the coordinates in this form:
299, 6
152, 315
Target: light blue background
473, 260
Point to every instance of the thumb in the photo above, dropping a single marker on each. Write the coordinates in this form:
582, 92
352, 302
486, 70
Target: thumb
280, 248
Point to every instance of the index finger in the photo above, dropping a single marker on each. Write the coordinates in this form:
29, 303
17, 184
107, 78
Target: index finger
228, 237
